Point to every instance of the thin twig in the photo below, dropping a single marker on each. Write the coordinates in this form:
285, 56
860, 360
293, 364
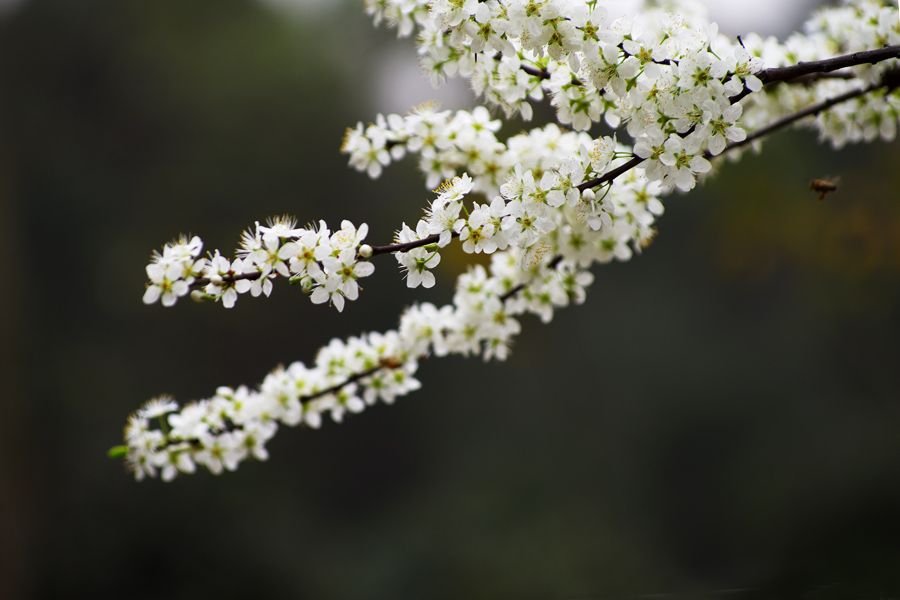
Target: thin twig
431, 239
610, 175
806, 112
516, 289
203, 281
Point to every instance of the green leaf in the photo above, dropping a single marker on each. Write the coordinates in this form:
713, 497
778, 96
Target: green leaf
117, 451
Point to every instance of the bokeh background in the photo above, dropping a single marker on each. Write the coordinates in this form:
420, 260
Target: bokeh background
719, 419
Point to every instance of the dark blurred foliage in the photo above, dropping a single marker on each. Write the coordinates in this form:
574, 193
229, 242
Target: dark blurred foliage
718, 420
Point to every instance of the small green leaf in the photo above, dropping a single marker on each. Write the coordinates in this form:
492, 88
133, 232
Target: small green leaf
117, 451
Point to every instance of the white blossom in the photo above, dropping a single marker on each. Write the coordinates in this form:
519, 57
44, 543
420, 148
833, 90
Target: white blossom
671, 81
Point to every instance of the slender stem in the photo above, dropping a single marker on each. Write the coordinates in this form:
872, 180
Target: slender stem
516, 289
801, 114
348, 381
230, 426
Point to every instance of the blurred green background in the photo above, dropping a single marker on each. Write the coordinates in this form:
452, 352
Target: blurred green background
722, 414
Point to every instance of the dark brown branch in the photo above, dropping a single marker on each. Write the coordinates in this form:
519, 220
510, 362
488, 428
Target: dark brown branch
231, 426
348, 381
535, 72
391, 248
814, 77
829, 64
801, 69
793, 118
203, 281
891, 80
405, 247
610, 175
518, 288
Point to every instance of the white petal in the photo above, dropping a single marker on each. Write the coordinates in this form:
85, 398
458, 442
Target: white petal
152, 294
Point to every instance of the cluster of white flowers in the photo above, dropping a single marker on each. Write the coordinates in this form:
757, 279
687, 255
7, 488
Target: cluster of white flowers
235, 424
324, 263
666, 74
856, 26
445, 142
537, 183
555, 203
172, 272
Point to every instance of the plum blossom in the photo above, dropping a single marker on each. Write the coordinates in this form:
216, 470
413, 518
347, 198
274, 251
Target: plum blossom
561, 201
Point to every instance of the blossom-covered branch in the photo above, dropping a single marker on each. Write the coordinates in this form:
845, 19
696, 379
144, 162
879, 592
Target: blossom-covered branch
555, 202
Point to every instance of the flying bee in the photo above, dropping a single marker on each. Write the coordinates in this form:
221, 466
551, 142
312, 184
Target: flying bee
823, 186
